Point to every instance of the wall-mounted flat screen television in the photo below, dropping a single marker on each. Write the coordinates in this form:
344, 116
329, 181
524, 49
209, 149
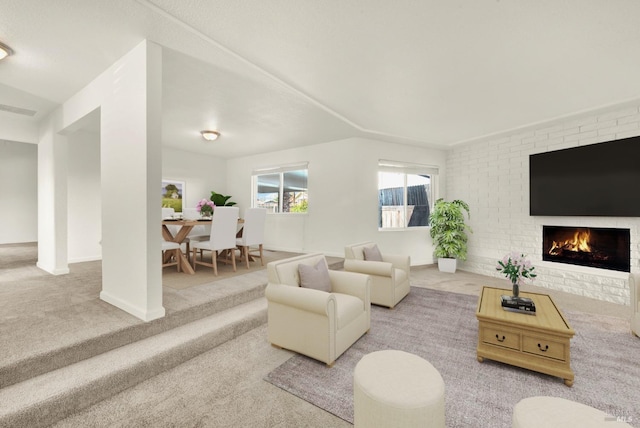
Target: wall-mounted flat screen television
600, 179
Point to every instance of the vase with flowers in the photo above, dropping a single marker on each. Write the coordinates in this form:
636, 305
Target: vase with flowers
516, 266
205, 208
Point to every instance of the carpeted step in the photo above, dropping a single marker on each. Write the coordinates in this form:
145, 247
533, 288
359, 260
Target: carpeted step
29, 366
335, 263
50, 397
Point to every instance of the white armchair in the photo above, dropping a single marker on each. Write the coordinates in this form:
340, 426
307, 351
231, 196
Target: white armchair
389, 277
634, 284
319, 324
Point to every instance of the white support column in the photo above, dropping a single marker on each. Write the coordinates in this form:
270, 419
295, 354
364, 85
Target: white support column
52, 198
131, 175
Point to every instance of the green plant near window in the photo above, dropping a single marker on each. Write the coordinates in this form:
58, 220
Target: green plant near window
448, 229
300, 207
221, 200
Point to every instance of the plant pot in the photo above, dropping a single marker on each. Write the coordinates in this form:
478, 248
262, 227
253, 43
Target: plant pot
447, 265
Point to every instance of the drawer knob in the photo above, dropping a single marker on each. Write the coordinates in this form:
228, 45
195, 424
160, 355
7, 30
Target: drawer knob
503, 338
546, 348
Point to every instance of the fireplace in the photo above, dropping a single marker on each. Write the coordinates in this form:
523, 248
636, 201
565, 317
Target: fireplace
603, 248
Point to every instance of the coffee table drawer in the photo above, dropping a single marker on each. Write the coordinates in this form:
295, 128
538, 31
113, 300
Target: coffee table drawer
544, 347
501, 337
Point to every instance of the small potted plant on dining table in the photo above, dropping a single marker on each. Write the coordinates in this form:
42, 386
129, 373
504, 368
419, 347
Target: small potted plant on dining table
516, 266
205, 208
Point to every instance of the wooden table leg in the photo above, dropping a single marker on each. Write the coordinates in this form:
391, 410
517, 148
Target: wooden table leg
184, 263
185, 266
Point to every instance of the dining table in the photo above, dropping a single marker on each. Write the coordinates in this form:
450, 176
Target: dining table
186, 225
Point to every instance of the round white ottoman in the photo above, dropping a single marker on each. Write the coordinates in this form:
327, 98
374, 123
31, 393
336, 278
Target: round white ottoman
555, 412
397, 389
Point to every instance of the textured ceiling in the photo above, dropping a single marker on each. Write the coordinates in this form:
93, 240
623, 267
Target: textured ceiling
282, 73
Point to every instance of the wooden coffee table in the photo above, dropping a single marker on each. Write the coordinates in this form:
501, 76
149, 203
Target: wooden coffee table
539, 342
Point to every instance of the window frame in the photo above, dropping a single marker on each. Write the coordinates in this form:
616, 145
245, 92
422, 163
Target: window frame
407, 168
281, 170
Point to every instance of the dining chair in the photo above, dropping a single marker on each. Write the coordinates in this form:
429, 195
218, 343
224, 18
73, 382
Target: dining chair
199, 232
190, 213
174, 247
222, 237
167, 213
252, 234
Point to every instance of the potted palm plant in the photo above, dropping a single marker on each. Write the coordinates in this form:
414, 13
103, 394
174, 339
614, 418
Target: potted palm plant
448, 231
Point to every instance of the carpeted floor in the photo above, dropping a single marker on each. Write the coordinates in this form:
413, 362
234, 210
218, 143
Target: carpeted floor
221, 388
476, 394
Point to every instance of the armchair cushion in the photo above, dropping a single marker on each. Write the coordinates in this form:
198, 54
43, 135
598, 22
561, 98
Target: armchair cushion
316, 277
372, 254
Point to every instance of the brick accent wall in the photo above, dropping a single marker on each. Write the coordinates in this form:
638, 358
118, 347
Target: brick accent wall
492, 176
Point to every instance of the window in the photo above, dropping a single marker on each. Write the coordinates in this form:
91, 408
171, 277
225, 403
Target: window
281, 189
405, 194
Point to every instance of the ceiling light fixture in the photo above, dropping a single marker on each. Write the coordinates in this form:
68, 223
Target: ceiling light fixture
5, 51
210, 135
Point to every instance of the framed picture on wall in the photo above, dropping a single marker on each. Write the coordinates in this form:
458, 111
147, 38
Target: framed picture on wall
173, 193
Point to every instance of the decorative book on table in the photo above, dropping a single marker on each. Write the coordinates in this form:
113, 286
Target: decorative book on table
517, 304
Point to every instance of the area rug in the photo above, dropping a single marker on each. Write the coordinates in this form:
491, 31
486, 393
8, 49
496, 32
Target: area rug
441, 327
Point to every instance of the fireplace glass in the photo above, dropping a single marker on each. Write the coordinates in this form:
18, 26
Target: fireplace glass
603, 248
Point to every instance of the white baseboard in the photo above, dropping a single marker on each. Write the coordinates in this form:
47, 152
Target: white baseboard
53, 270
143, 314
85, 259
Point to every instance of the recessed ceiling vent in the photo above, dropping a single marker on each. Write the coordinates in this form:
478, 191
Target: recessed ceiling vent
17, 110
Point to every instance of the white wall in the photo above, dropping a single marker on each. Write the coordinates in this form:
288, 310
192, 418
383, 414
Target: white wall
18, 171
19, 175
52, 196
201, 173
19, 165
84, 217
129, 95
130, 168
343, 197
492, 176
15, 127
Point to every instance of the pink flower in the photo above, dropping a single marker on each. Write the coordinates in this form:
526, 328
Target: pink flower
205, 203
516, 266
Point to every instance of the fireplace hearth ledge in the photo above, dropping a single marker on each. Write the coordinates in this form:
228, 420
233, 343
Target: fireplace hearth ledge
582, 269
600, 284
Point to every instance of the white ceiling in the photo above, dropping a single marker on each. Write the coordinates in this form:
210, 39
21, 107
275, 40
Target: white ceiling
274, 74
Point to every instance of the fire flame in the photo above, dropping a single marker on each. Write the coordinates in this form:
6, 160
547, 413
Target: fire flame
580, 242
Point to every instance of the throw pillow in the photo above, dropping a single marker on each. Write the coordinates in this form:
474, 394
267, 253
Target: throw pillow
372, 254
316, 277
